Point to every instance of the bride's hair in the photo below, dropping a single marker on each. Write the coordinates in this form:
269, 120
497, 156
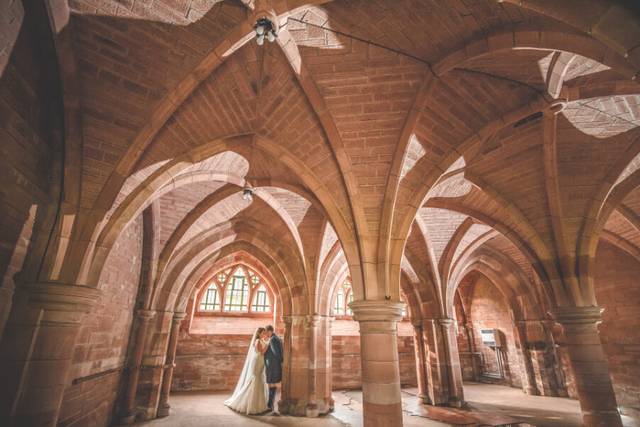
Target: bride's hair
258, 332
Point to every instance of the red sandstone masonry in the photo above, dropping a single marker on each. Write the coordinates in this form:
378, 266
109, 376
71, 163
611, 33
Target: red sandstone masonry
102, 343
618, 292
213, 362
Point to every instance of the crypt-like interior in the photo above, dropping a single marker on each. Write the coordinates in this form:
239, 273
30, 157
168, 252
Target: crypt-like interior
415, 193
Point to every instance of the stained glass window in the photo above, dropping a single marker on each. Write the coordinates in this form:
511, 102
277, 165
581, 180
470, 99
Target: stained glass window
240, 288
343, 296
260, 300
210, 300
237, 292
338, 307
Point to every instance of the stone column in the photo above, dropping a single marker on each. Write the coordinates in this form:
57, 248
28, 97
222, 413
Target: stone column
529, 381
306, 389
143, 318
6, 297
320, 400
538, 352
379, 357
475, 361
452, 362
164, 407
443, 363
590, 368
295, 384
153, 366
418, 343
437, 383
37, 350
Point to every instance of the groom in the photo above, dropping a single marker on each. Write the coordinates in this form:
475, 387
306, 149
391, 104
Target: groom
273, 362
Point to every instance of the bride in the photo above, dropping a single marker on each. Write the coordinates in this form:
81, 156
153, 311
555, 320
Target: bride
250, 395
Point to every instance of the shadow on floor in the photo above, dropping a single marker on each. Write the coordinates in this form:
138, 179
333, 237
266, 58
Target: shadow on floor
489, 405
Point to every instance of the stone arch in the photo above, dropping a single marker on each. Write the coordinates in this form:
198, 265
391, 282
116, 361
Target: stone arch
166, 173
168, 287
537, 39
507, 277
333, 271
397, 228
224, 258
620, 182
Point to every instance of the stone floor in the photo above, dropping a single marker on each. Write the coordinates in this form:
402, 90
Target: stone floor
489, 405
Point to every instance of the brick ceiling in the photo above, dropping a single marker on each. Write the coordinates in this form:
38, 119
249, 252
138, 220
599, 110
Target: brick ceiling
320, 123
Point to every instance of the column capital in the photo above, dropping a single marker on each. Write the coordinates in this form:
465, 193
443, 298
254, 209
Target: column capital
179, 316
446, 321
61, 302
291, 319
145, 314
377, 310
577, 315
555, 106
59, 296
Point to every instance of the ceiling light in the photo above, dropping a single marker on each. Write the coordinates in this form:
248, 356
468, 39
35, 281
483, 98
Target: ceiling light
247, 192
265, 27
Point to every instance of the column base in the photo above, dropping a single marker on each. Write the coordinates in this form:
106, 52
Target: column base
601, 419
456, 403
303, 408
163, 411
126, 420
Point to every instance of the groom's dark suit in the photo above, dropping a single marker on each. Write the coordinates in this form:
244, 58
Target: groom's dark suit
273, 360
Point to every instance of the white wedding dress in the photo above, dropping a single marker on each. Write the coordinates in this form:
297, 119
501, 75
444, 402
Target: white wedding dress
251, 393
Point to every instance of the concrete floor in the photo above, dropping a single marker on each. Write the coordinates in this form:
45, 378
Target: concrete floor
487, 405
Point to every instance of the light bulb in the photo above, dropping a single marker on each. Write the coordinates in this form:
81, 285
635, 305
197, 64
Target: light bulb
260, 30
260, 40
247, 194
271, 36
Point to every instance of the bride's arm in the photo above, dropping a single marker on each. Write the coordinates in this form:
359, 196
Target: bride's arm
262, 348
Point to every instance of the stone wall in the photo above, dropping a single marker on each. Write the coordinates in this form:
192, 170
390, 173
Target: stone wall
489, 310
617, 283
346, 362
101, 348
26, 143
207, 361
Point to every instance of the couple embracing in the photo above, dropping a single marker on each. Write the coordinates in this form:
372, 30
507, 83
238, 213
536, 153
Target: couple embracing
255, 392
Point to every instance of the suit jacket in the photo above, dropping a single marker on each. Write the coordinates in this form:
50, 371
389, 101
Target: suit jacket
273, 358
274, 352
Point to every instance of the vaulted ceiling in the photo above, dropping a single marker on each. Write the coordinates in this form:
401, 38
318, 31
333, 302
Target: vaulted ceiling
365, 124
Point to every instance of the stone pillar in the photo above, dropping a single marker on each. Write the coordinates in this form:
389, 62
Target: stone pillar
420, 350
153, 366
306, 389
443, 363
164, 407
538, 350
295, 384
379, 357
6, 297
437, 383
590, 368
529, 385
320, 400
475, 360
143, 318
452, 362
37, 350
